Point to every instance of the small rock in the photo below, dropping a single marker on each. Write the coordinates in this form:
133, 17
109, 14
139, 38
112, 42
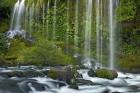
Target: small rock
84, 82
91, 73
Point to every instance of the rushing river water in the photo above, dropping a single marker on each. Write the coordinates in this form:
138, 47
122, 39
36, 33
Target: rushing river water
125, 83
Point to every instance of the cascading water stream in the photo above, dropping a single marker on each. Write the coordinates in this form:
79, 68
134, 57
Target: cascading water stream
16, 22
98, 30
88, 29
101, 34
19, 15
76, 27
111, 36
31, 17
43, 21
13, 15
47, 28
54, 20
112, 27
68, 26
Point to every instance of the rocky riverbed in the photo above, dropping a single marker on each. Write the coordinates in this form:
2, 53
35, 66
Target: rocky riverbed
31, 79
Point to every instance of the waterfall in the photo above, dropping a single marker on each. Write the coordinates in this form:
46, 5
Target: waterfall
112, 27
76, 28
13, 15
111, 37
19, 15
16, 20
47, 23
88, 29
54, 21
68, 26
41, 15
43, 21
31, 16
99, 33
98, 30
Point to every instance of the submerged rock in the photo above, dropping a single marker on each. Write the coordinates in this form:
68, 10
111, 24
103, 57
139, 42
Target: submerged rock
84, 82
119, 82
9, 86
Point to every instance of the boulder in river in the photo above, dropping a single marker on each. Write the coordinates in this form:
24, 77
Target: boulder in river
103, 73
62, 73
106, 73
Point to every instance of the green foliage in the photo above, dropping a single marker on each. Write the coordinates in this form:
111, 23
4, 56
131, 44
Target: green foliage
47, 53
3, 43
15, 52
129, 49
130, 62
7, 3
3, 26
126, 11
61, 25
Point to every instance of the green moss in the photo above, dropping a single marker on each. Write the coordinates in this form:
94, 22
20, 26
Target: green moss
105, 73
52, 74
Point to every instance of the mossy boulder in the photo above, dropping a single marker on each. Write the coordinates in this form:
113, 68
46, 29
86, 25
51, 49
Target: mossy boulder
105, 73
28, 73
62, 73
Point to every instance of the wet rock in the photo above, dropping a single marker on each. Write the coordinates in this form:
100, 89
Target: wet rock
3, 63
106, 91
26, 85
73, 84
62, 74
119, 82
91, 73
84, 82
79, 75
58, 84
9, 86
28, 73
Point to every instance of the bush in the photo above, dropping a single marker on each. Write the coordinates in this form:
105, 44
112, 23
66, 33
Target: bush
130, 62
126, 10
3, 43
47, 53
